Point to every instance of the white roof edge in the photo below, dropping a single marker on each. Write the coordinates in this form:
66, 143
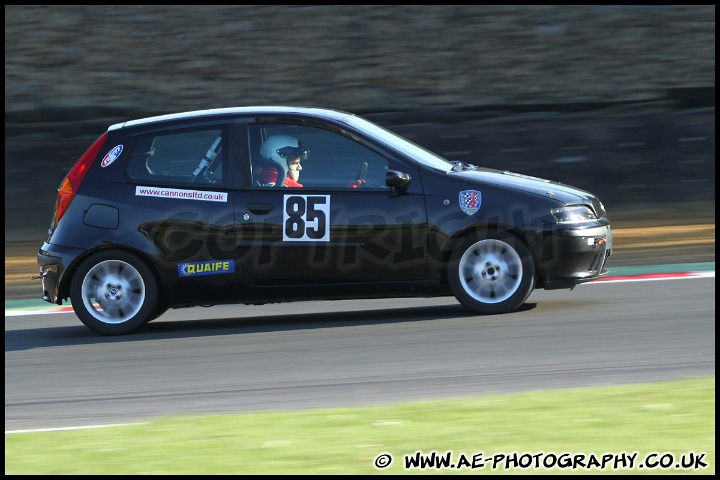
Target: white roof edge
335, 114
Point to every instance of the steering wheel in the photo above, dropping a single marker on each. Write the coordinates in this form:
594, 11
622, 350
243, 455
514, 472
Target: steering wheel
360, 180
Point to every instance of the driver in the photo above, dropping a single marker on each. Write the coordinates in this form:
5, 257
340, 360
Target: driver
285, 149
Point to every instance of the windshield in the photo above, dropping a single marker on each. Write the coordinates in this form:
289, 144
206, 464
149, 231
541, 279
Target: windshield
402, 144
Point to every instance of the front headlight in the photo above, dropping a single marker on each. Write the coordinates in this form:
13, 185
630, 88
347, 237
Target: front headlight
573, 214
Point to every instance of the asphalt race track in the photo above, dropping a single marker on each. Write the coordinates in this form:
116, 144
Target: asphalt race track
346, 353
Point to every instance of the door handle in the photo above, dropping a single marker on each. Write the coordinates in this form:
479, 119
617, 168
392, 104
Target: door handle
260, 208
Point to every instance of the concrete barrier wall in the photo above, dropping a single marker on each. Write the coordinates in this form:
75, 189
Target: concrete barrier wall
167, 58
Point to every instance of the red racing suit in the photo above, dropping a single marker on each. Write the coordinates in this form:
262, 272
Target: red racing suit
269, 175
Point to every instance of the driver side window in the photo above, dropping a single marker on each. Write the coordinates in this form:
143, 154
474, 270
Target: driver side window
330, 160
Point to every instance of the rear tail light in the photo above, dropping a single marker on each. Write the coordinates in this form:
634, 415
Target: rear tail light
71, 183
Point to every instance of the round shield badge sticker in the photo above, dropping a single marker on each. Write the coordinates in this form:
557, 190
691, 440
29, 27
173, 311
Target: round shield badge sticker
111, 156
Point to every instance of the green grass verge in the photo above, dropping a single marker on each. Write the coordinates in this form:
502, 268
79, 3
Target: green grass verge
670, 418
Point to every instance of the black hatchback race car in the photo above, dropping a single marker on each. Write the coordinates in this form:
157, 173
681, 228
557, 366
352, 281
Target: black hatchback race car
256, 205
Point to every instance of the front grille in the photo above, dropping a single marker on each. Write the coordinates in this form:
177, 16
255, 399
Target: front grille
598, 262
595, 264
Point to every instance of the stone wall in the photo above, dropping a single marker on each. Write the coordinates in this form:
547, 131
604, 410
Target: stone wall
631, 88
156, 58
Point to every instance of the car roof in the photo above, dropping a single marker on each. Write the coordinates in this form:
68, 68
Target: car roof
327, 113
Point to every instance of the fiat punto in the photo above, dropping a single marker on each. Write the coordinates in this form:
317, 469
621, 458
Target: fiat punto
255, 205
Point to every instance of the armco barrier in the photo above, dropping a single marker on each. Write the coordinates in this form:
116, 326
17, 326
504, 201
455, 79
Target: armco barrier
630, 156
641, 157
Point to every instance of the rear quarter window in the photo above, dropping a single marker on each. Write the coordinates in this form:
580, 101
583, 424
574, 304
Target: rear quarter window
189, 157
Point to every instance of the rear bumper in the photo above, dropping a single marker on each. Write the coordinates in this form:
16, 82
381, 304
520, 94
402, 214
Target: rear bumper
53, 261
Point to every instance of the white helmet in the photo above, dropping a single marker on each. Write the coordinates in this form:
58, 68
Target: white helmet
279, 147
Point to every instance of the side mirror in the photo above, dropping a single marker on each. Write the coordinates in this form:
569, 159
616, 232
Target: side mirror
399, 180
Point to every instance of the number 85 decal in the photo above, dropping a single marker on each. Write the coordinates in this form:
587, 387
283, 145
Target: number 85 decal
306, 218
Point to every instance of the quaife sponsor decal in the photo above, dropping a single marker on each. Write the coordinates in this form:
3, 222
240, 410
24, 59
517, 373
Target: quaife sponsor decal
181, 193
211, 267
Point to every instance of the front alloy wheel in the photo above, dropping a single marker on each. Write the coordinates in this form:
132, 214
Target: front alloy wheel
492, 275
114, 293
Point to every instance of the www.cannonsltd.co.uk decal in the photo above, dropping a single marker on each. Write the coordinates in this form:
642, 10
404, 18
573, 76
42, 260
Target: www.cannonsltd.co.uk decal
470, 201
211, 267
181, 193
306, 218
111, 156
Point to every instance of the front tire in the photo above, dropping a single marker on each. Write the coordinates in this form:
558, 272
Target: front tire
492, 275
114, 293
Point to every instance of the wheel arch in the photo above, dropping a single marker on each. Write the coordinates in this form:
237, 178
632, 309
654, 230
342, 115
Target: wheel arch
70, 271
483, 230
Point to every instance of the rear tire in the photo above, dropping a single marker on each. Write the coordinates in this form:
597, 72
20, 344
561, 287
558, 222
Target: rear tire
492, 275
114, 293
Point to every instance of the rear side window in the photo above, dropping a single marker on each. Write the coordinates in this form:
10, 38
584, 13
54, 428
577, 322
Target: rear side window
178, 158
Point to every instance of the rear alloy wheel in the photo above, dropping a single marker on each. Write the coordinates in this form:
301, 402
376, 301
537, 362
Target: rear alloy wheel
114, 293
492, 275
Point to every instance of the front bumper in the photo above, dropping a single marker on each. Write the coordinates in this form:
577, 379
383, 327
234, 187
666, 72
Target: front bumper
573, 256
